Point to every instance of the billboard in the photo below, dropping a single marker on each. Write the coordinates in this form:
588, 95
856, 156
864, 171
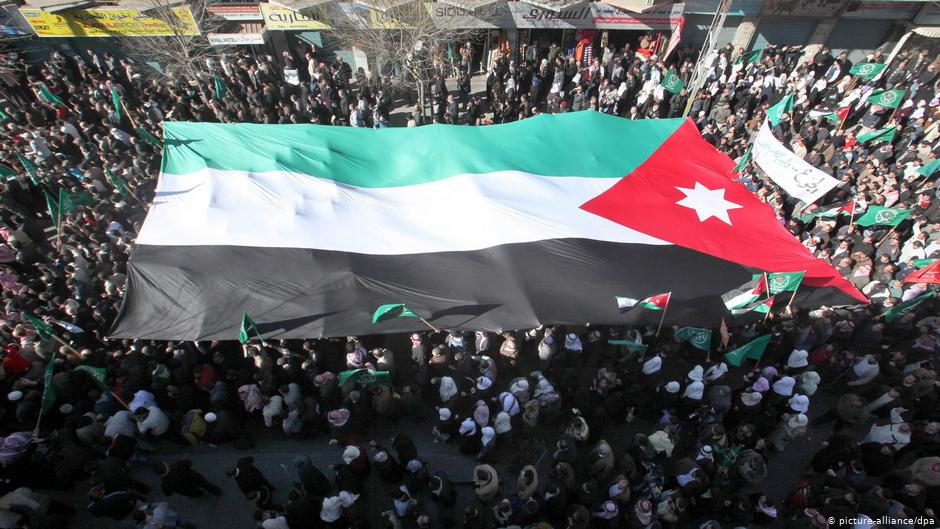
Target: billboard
106, 23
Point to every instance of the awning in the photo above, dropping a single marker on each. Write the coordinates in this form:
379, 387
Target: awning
383, 5
300, 5
469, 5
636, 6
928, 31
54, 6
554, 5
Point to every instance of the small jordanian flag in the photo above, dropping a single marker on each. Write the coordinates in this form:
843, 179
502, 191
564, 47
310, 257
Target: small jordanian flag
30, 168
747, 294
657, 302
760, 305
392, 311
846, 209
882, 216
749, 56
867, 70
248, 328
116, 101
785, 106
49, 97
673, 83
629, 344
753, 350
698, 337
887, 98
885, 134
625, 303
834, 117
45, 330
902, 309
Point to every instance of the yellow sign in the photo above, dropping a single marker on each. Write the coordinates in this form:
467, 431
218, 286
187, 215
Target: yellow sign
282, 19
107, 23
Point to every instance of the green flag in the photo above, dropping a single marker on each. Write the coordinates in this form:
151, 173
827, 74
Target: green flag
3, 115
784, 281
753, 350
365, 377
219, 85
248, 328
52, 206
867, 70
69, 202
901, 309
673, 83
450, 53
392, 311
149, 138
749, 56
49, 97
785, 106
45, 330
887, 98
878, 215
98, 374
49, 391
119, 184
743, 161
6, 172
930, 168
116, 101
631, 345
698, 337
885, 134
920, 263
30, 168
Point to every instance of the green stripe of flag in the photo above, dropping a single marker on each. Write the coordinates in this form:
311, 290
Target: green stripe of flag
902, 309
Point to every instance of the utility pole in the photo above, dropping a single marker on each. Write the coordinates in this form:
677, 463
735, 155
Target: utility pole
705, 56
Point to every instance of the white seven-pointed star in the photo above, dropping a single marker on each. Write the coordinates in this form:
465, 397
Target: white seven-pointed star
707, 202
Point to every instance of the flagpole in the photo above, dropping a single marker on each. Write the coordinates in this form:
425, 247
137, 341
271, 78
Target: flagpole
663, 317
433, 328
67, 346
58, 225
852, 218
885, 237
842, 121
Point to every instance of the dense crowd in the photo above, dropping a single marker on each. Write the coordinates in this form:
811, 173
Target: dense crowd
704, 431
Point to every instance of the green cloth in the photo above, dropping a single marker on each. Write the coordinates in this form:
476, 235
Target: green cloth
365, 377
743, 161
98, 374
867, 70
52, 205
149, 138
887, 98
878, 215
930, 168
779, 282
885, 134
901, 309
4, 116
631, 345
247, 329
49, 97
49, 390
698, 337
45, 330
119, 184
116, 101
30, 168
749, 56
69, 202
219, 85
673, 83
6, 172
920, 263
753, 350
392, 311
785, 106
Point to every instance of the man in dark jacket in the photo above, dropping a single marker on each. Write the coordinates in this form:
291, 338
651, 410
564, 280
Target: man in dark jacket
180, 477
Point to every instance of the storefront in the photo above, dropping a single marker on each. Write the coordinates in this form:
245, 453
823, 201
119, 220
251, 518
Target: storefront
244, 26
700, 13
925, 35
867, 26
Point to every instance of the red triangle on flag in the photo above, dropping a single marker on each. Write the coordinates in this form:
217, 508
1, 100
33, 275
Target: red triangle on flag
848, 208
761, 288
659, 300
843, 112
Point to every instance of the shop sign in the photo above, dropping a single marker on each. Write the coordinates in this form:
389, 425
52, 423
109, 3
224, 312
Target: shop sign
803, 8
280, 18
882, 10
236, 11
107, 23
235, 39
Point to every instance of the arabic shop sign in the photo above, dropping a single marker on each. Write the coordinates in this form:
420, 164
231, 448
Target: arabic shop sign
106, 23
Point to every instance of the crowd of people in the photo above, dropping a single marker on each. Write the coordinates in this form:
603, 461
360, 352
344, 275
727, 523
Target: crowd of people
702, 432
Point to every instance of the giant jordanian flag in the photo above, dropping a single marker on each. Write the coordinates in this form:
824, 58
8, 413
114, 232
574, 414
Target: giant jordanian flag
308, 228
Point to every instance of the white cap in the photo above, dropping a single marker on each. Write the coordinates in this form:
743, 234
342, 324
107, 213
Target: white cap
14, 396
210, 417
672, 387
